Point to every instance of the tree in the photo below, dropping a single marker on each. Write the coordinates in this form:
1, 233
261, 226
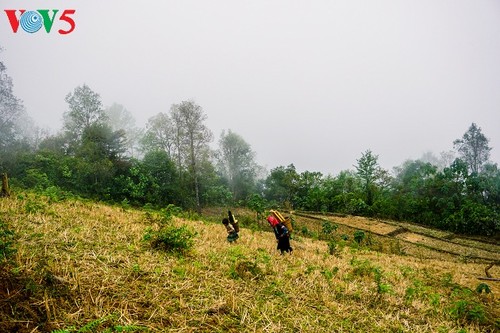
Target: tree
282, 185
160, 135
413, 190
370, 172
236, 164
192, 139
99, 142
17, 130
85, 109
341, 190
119, 118
258, 204
473, 148
310, 192
99, 158
444, 159
491, 185
10, 108
154, 180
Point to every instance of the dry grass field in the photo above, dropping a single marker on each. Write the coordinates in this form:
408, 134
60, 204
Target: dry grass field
86, 267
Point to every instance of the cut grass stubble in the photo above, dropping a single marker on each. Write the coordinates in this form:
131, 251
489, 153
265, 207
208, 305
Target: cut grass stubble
100, 266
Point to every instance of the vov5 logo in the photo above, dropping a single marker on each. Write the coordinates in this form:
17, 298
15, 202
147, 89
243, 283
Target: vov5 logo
31, 21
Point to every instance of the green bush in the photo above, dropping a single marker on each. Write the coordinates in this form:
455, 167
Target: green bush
468, 310
483, 287
328, 227
359, 236
171, 211
250, 222
357, 207
55, 194
362, 267
467, 307
382, 288
305, 231
332, 247
172, 239
36, 178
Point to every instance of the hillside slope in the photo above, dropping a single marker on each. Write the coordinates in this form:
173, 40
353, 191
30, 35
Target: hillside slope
85, 266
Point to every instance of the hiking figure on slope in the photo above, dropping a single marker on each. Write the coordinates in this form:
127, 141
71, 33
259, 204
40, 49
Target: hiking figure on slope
232, 227
282, 234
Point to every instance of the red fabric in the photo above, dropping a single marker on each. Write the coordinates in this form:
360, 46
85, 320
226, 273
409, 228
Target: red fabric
272, 221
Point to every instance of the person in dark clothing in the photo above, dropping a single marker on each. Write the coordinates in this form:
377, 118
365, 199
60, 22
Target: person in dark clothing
232, 227
232, 235
282, 235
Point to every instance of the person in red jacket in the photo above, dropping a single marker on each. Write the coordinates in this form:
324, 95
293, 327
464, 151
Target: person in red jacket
281, 233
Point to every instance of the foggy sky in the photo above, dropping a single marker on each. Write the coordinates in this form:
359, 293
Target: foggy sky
313, 83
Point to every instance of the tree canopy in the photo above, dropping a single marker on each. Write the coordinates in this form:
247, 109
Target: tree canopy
92, 157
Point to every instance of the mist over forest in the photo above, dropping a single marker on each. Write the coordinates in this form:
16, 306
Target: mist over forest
101, 154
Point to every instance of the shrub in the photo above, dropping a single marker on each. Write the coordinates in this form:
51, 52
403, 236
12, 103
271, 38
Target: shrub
171, 211
171, 238
466, 307
483, 287
468, 310
305, 231
36, 178
332, 247
250, 223
359, 236
381, 287
328, 227
362, 267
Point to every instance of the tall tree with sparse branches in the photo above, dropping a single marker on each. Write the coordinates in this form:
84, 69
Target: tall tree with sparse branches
193, 139
473, 148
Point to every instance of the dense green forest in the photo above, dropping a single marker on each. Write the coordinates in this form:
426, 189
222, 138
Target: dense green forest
99, 153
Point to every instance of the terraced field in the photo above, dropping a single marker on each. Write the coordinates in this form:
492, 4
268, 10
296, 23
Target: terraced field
433, 239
